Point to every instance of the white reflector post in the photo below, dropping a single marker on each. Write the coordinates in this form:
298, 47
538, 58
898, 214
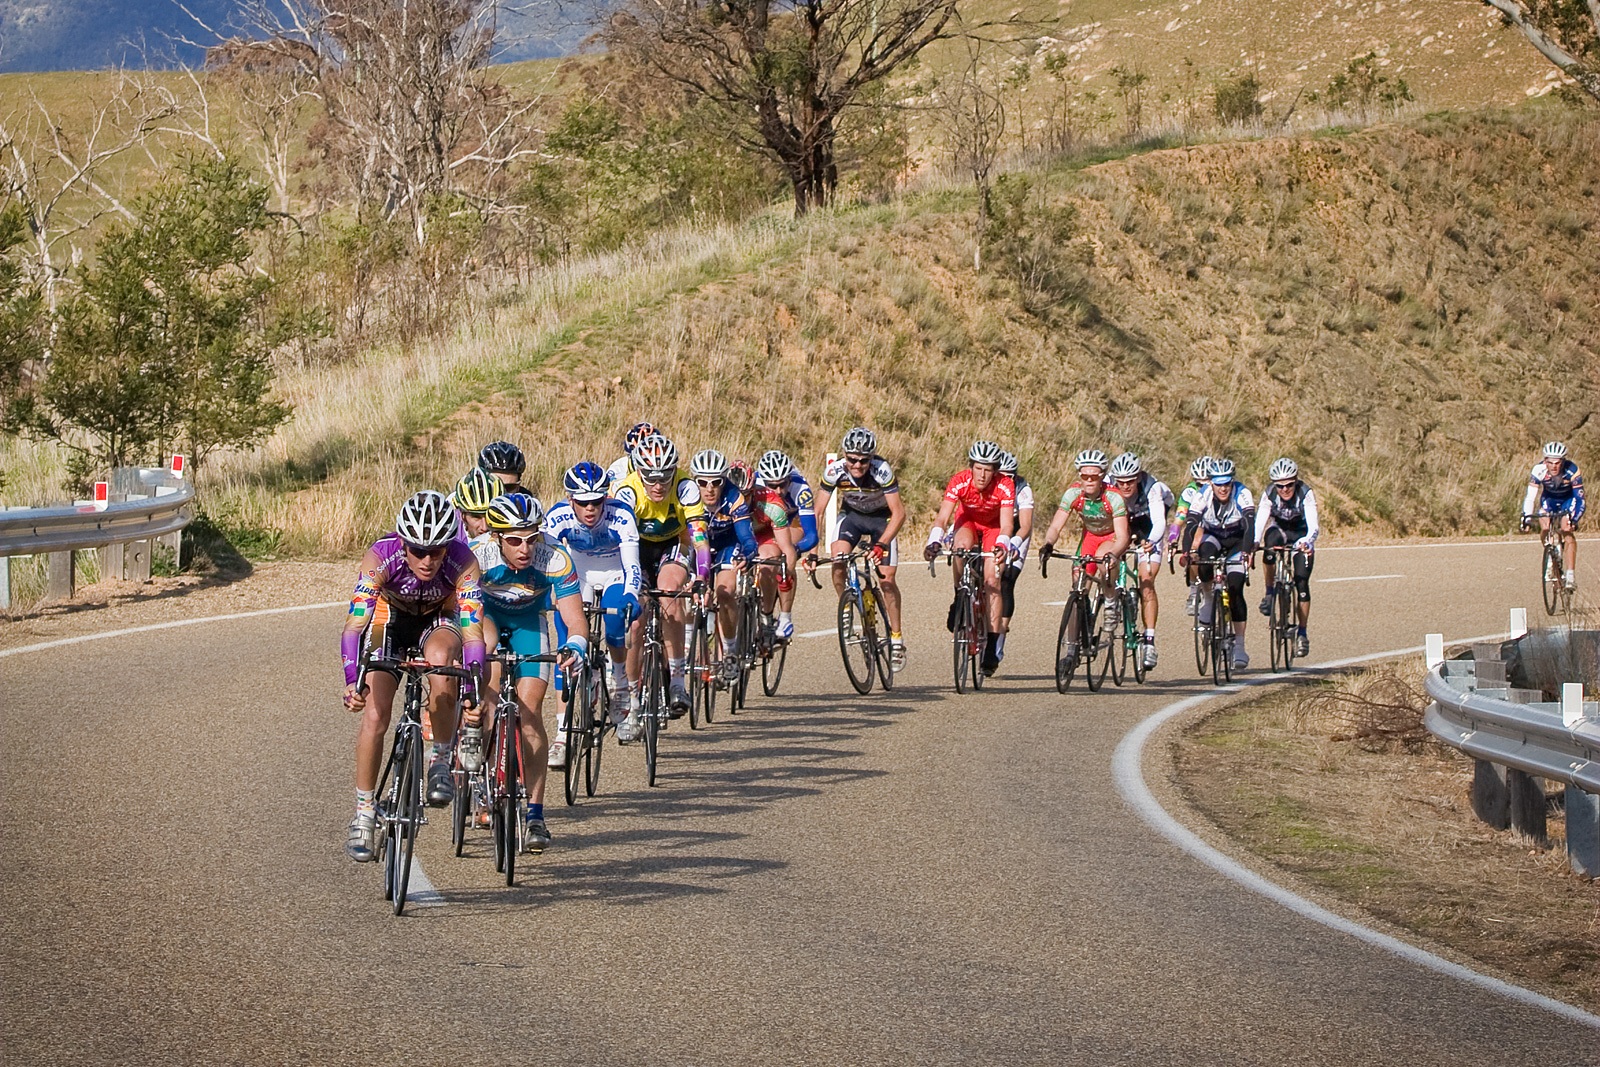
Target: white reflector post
1435, 650
1519, 623
1572, 703
830, 519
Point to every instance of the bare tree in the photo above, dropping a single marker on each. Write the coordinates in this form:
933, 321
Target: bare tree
1567, 32
971, 113
786, 72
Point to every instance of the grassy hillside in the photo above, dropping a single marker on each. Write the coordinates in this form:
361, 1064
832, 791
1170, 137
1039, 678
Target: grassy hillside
1409, 310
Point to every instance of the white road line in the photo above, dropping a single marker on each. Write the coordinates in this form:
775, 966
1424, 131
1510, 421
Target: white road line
1359, 578
420, 892
1127, 769
1526, 540
829, 632
61, 641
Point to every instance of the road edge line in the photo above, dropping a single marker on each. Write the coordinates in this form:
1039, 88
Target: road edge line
1127, 769
61, 642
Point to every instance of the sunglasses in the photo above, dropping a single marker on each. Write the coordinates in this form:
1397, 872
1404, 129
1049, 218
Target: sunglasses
1127, 481
427, 553
708, 483
655, 479
1094, 474
858, 460
517, 540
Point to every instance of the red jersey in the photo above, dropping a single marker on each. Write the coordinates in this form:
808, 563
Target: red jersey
981, 508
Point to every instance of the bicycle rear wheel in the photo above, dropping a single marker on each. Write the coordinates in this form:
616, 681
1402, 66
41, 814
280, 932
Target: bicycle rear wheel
1553, 586
853, 647
1066, 666
882, 654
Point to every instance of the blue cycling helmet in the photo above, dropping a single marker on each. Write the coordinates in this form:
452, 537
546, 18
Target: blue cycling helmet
585, 482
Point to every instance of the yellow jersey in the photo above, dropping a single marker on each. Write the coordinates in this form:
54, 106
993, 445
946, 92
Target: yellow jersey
668, 519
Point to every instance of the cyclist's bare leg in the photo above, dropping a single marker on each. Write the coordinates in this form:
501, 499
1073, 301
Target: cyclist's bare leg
442, 649
672, 577
1147, 592
1569, 543
381, 688
727, 606
891, 596
535, 739
767, 577
839, 548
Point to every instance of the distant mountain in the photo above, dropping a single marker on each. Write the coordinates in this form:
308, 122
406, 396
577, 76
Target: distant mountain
38, 35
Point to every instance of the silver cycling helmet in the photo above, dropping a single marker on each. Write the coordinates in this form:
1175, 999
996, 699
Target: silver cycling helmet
1125, 466
709, 463
1008, 463
427, 520
774, 466
1090, 457
1555, 450
984, 452
1222, 470
655, 457
860, 441
1200, 469
515, 511
1284, 470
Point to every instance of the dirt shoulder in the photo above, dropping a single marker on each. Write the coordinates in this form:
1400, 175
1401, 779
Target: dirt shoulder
1391, 834
113, 605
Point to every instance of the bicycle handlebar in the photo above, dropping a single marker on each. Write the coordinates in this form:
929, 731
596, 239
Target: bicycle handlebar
413, 666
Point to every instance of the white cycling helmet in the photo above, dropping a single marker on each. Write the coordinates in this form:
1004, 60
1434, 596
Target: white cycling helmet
515, 511
709, 463
427, 520
1222, 471
1555, 450
774, 466
1284, 470
655, 457
984, 452
1125, 466
860, 441
1008, 463
1090, 457
1200, 469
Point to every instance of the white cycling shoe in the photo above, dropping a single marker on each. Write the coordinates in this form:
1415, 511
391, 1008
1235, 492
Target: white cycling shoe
558, 754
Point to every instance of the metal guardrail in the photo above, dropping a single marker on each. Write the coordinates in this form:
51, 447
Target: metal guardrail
1516, 738
31, 531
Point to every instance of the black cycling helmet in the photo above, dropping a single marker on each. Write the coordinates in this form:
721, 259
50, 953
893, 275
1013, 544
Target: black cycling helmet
502, 457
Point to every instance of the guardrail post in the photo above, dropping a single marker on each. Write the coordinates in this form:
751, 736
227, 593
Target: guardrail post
1527, 806
1583, 832
1491, 801
5, 582
63, 578
135, 562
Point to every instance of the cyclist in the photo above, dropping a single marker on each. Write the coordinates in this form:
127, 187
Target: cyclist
417, 590
1556, 488
1104, 518
1149, 501
988, 519
472, 498
769, 521
602, 537
777, 473
1225, 524
1019, 549
622, 466
733, 541
671, 519
1288, 516
506, 462
1188, 497
535, 581
870, 510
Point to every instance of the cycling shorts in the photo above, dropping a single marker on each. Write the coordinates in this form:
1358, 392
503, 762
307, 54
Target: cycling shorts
602, 576
1093, 544
527, 635
725, 557
1153, 551
990, 535
1559, 506
397, 634
653, 555
855, 527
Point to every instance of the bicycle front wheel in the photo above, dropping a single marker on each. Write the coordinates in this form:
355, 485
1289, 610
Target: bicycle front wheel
406, 821
1132, 636
878, 631
601, 722
1067, 665
1089, 627
579, 712
744, 647
853, 646
1202, 645
772, 667
506, 843
655, 709
1552, 580
980, 644
961, 646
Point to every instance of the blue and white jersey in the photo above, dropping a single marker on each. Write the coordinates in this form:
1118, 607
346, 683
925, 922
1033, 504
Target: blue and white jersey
619, 470
802, 510
612, 543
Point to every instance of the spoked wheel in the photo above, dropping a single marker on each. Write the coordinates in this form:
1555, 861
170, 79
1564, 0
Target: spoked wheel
404, 842
705, 674
699, 678
1202, 643
745, 646
1132, 636
1089, 627
1221, 641
772, 667
578, 723
878, 631
505, 834
980, 644
1554, 588
460, 806
853, 645
1111, 642
1066, 666
655, 704
1280, 641
597, 744
961, 646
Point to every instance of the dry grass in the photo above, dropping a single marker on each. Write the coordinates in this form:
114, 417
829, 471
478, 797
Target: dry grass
1392, 831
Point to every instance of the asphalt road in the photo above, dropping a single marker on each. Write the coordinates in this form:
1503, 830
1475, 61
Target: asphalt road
916, 877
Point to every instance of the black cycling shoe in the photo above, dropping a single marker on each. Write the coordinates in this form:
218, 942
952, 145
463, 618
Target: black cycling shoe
950, 619
1266, 604
991, 657
441, 784
535, 836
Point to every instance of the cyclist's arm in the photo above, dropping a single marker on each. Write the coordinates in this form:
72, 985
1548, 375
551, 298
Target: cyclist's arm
1581, 505
1530, 499
1158, 512
1313, 526
362, 602
897, 515
947, 509
469, 604
628, 550
1120, 533
570, 607
805, 507
701, 544
1263, 520
1008, 521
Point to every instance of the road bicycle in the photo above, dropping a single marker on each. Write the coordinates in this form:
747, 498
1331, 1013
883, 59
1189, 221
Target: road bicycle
588, 700
756, 639
1217, 635
863, 622
1552, 573
1124, 640
1283, 625
400, 812
655, 676
704, 664
1080, 639
970, 634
